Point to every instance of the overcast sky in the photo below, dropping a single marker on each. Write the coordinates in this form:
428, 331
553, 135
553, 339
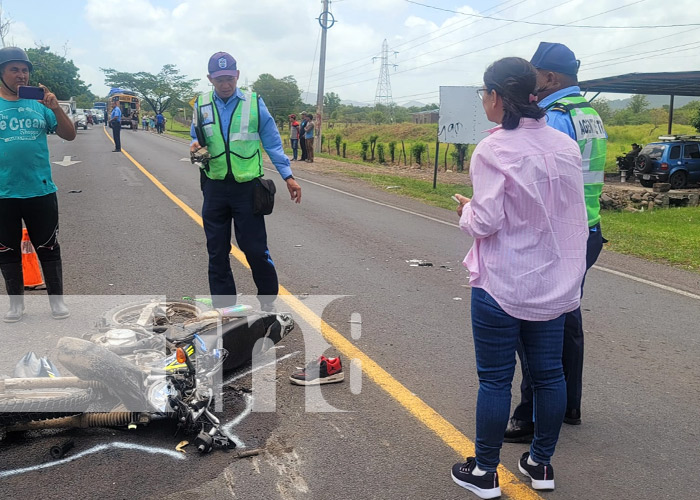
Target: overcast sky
282, 37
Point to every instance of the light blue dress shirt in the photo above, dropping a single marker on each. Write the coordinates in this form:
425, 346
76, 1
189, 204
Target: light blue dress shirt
267, 128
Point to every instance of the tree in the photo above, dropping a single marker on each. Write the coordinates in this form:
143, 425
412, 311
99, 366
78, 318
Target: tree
695, 120
5, 23
160, 91
659, 116
638, 104
282, 96
331, 102
602, 106
376, 117
57, 73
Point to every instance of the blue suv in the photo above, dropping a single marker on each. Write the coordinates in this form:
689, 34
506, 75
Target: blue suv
674, 159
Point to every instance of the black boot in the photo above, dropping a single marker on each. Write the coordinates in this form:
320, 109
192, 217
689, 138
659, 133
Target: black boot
53, 276
14, 283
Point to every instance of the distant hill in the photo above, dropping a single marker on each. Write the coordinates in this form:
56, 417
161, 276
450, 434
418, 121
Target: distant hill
655, 101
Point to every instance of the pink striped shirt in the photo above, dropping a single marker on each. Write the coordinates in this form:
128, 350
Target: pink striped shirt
528, 219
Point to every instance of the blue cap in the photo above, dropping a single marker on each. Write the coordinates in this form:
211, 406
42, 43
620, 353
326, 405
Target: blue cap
222, 64
555, 57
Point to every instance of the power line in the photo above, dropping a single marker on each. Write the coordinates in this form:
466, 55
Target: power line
553, 24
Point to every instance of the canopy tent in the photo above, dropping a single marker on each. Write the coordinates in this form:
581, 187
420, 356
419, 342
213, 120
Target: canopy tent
681, 83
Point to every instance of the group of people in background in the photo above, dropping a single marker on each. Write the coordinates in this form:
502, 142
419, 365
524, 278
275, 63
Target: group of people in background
301, 136
153, 122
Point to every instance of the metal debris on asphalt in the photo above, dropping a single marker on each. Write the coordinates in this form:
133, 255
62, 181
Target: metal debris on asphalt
419, 263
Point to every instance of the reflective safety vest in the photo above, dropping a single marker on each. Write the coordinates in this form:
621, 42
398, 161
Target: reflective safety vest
593, 141
242, 154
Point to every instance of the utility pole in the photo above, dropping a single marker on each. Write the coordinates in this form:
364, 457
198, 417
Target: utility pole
325, 26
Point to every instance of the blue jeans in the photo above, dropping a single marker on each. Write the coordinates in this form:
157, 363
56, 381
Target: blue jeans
295, 147
496, 336
572, 353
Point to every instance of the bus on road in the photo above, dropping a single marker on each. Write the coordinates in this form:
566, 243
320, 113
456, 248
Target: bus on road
129, 104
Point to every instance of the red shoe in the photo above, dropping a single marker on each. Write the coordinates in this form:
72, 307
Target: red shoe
321, 371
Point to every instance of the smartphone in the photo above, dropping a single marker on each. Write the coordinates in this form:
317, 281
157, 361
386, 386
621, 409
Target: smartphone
29, 92
456, 200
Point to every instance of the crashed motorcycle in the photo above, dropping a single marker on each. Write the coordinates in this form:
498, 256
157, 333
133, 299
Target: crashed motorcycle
147, 361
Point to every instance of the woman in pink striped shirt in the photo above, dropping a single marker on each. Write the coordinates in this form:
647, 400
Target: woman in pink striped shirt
529, 224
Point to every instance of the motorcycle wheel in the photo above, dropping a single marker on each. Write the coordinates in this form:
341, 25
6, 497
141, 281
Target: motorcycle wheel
129, 314
41, 404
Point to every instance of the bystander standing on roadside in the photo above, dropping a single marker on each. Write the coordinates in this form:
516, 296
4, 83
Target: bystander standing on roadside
27, 191
302, 136
294, 136
528, 220
309, 137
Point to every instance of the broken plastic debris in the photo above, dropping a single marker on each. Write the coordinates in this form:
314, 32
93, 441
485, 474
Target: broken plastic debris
298, 246
181, 445
457, 298
393, 187
75, 191
419, 263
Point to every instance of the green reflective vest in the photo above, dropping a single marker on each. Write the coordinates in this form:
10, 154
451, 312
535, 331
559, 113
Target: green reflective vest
242, 154
593, 141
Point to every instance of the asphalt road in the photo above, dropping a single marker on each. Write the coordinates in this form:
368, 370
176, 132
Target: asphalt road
343, 254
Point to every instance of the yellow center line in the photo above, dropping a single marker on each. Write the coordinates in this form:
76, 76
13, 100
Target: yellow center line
448, 433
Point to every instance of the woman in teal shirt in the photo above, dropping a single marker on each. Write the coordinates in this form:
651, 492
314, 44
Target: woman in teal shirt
27, 191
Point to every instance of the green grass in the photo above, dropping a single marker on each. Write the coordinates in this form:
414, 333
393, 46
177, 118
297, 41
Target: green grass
415, 188
670, 236
175, 128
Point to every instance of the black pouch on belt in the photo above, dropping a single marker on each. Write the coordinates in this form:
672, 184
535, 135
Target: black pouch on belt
263, 196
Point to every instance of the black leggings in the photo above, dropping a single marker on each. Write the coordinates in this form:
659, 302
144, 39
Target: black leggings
40, 215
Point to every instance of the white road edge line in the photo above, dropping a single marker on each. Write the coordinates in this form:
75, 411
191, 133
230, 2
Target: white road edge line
596, 267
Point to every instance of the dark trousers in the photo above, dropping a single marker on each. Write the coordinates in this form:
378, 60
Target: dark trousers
302, 145
116, 132
223, 201
40, 215
572, 353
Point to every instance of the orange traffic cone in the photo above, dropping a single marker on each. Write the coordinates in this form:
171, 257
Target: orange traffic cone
30, 263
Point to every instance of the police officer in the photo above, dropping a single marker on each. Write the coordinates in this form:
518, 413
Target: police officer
233, 125
27, 191
567, 110
115, 121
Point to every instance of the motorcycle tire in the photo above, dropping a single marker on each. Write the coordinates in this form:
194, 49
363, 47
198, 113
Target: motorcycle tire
89, 361
128, 314
26, 405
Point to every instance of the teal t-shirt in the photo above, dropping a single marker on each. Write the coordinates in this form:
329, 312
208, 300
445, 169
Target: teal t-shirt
25, 170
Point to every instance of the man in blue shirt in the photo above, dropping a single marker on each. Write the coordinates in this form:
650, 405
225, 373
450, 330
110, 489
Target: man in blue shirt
160, 123
115, 121
229, 179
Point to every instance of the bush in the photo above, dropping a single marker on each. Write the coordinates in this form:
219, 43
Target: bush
380, 153
364, 144
373, 144
417, 151
345, 146
392, 150
338, 139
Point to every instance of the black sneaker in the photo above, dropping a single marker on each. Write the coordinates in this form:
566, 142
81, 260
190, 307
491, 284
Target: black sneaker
519, 431
485, 486
542, 476
321, 371
572, 417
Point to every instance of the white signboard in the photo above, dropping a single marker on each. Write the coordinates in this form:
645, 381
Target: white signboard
462, 118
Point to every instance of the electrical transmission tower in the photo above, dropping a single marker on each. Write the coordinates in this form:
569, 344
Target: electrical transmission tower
383, 95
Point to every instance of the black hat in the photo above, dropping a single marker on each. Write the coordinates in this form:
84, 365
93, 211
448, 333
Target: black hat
9, 54
555, 57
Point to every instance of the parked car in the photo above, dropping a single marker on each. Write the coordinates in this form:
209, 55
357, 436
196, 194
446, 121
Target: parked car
674, 159
80, 119
98, 115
